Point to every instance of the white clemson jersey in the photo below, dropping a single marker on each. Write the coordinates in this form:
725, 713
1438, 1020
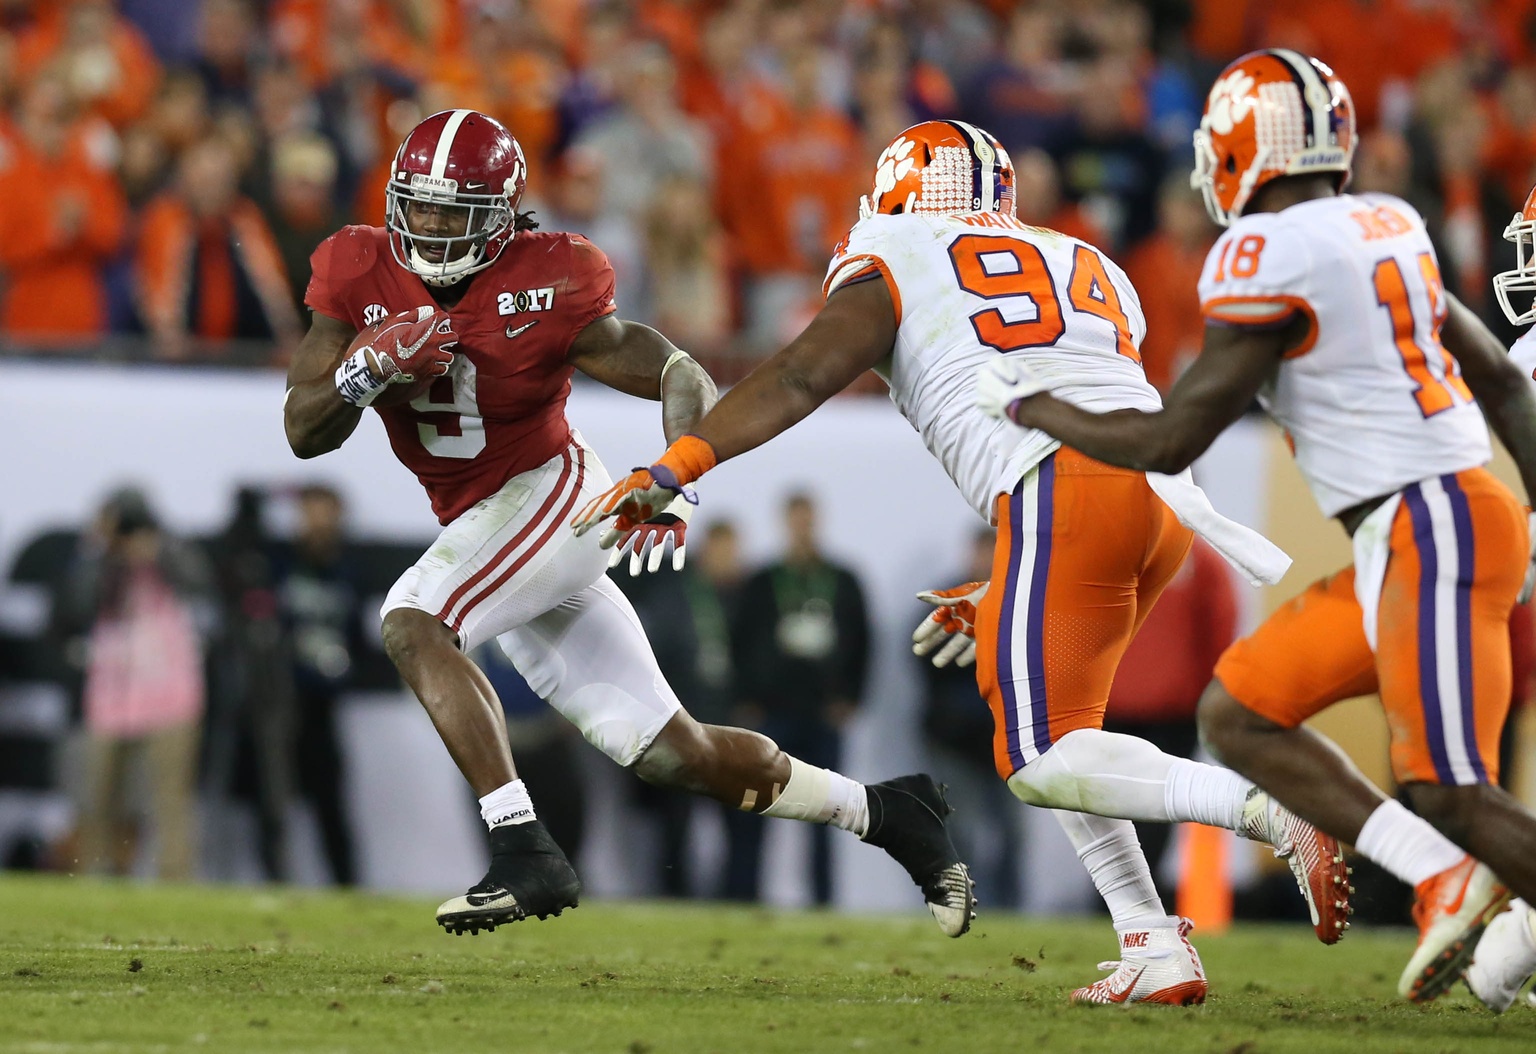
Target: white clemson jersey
1523, 351
968, 288
1370, 399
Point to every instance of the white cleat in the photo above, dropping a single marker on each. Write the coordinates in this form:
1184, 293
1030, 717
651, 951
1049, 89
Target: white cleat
1505, 958
1452, 909
1156, 965
1315, 859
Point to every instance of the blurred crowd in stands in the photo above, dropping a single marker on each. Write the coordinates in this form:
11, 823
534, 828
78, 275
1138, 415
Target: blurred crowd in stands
166, 166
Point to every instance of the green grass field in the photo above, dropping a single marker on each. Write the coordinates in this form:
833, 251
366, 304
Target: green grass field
87, 966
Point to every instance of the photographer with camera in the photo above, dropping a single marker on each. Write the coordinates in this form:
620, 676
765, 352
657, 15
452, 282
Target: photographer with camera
128, 602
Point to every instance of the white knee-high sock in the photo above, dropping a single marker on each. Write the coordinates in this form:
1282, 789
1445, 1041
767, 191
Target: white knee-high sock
1109, 850
1109, 774
1406, 845
818, 795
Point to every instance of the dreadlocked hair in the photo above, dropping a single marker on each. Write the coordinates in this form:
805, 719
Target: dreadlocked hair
524, 221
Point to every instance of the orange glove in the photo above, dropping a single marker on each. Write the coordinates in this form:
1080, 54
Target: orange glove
646, 492
952, 625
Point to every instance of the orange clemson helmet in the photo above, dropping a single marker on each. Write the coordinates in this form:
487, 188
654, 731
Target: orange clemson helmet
1522, 280
941, 168
1271, 113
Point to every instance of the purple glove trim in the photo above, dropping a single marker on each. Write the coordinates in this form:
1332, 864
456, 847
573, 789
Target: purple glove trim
666, 478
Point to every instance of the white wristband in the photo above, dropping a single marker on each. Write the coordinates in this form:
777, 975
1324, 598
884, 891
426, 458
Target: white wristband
355, 381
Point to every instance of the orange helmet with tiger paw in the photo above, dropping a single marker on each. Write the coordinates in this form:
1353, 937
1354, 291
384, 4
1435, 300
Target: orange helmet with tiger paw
941, 168
1271, 113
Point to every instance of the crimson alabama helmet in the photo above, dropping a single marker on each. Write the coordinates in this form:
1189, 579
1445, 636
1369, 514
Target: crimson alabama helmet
461, 160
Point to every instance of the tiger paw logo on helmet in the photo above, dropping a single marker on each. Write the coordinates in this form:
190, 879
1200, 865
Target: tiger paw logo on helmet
1271, 113
1230, 102
894, 165
941, 168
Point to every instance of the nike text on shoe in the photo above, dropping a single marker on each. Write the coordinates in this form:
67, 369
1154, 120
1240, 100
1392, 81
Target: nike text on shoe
1452, 909
1505, 958
906, 819
1157, 965
1315, 859
529, 875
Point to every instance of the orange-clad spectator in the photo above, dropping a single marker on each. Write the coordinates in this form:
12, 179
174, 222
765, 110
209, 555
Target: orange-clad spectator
1038, 200
209, 268
675, 23
515, 73
1221, 30
814, 164
63, 217
103, 59
813, 172
1377, 46
1165, 269
732, 104
396, 33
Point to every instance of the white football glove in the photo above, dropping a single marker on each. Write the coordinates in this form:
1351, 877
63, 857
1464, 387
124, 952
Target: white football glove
1529, 585
648, 544
953, 625
1004, 381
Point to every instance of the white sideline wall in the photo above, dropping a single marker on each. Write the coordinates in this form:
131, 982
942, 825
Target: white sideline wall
189, 436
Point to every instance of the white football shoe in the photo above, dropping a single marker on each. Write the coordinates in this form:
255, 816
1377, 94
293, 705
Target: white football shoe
1452, 908
1505, 958
1156, 965
1315, 859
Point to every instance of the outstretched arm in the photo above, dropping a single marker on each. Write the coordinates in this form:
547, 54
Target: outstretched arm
315, 416
1212, 393
639, 361
852, 333
1500, 386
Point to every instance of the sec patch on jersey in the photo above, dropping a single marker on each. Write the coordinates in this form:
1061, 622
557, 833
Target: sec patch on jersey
408, 351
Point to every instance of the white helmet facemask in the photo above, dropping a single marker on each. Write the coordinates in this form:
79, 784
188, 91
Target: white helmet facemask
1516, 290
488, 216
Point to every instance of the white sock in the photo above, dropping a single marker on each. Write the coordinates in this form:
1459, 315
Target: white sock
818, 795
1109, 774
508, 803
1109, 850
1208, 794
1405, 844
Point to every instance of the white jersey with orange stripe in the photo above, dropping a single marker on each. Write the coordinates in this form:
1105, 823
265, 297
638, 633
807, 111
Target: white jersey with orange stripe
969, 287
1370, 399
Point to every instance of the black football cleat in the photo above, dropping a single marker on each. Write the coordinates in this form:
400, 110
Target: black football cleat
906, 819
529, 875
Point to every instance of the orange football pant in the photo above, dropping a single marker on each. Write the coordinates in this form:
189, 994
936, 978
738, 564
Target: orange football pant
1084, 549
1458, 553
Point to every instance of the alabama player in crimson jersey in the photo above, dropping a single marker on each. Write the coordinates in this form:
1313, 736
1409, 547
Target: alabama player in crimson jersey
1329, 309
489, 440
938, 277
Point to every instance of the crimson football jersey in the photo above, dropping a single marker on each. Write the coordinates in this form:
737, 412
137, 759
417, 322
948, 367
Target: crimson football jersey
500, 410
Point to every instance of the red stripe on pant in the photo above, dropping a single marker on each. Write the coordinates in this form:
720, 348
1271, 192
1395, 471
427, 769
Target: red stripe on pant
507, 550
555, 524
